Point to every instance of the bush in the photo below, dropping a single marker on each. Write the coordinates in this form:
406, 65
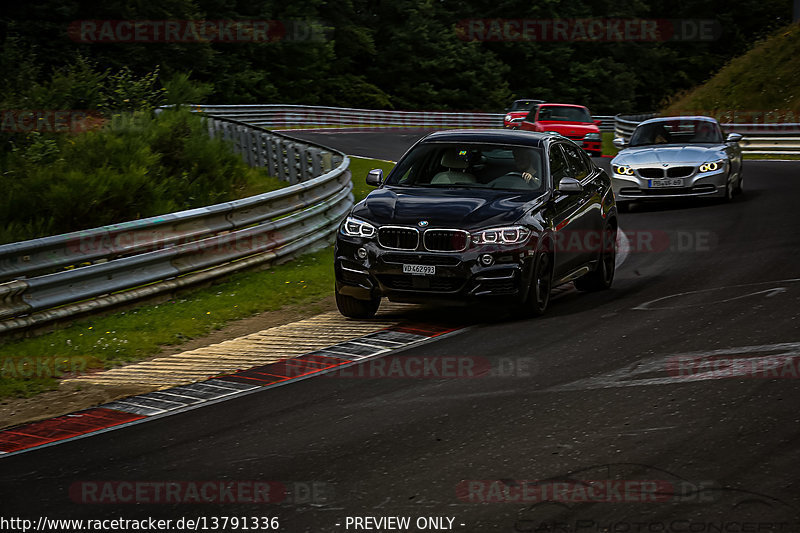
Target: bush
138, 165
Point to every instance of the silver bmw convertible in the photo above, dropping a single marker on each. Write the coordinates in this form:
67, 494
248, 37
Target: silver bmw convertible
671, 157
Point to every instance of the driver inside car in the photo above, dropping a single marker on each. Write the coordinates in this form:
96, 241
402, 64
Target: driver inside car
524, 162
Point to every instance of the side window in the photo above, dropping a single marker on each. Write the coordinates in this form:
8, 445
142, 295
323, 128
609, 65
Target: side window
558, 165
546, 113
579, 167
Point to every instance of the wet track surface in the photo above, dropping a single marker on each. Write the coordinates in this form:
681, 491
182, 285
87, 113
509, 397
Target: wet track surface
668, 403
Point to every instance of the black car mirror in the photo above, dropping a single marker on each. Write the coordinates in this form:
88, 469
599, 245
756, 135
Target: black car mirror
375, 177
569, 186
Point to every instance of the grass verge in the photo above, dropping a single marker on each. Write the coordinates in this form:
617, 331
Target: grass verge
608, 144
34, 365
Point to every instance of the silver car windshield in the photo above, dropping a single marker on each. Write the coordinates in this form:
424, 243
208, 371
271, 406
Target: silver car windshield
677, 132
472, 166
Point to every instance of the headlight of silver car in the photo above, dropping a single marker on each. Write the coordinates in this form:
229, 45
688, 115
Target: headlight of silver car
623, 170
711, 166
354, 227
507, 235
592, 137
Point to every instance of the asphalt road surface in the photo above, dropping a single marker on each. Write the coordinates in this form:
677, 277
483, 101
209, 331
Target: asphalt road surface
668, 403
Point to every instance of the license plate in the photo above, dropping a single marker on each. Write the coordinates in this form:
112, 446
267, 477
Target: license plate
423, 270
666, 182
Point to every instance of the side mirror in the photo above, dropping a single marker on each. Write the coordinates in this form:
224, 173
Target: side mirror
733, 138
598, 123
569, 186
375, 177
620, 143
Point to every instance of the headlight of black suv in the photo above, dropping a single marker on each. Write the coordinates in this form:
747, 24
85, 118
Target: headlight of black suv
504, 235
353, 227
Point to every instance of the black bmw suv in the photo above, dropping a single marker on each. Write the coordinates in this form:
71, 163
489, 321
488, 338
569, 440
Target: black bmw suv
479, 215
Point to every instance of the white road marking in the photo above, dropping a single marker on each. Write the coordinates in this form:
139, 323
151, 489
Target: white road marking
649, 305
760, 361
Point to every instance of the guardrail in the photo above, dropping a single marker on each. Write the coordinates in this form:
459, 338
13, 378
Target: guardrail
757, 139
606, 122
288, 116
64, 275
302, 116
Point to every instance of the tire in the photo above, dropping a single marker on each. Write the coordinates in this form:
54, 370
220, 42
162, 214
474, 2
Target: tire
739, 189
729, 190
355, 308
541, 286
601, 277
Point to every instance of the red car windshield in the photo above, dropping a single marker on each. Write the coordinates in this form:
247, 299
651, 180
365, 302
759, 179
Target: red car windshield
564, 114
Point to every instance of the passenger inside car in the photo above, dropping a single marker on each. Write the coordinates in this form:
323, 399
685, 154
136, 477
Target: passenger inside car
456, 162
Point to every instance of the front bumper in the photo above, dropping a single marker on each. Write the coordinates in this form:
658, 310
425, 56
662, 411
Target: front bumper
593, 147
636, 187
459, 275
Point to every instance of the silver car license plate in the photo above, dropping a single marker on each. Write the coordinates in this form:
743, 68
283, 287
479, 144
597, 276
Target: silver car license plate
666, 182
424, 270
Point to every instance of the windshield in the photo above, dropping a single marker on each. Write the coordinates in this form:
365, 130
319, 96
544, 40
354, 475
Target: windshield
522, 105
474, 166
564, 114
676, 132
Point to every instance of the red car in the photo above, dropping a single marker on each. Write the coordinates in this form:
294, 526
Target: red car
518, 111
571, 121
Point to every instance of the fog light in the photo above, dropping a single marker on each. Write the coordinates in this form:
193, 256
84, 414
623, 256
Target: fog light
361, 253
487, 260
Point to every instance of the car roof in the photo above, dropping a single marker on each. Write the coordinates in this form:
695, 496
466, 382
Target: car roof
546, 104
684, 117
497, 136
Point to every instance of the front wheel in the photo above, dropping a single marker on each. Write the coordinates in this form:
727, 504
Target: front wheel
355, 308
729, 190
602, 276
541, 284
739, 183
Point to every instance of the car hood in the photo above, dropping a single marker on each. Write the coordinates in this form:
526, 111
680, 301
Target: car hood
569, 129
458, 208
517, 114
670, 154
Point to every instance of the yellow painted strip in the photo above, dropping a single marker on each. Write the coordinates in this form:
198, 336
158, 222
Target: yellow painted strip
263, 347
